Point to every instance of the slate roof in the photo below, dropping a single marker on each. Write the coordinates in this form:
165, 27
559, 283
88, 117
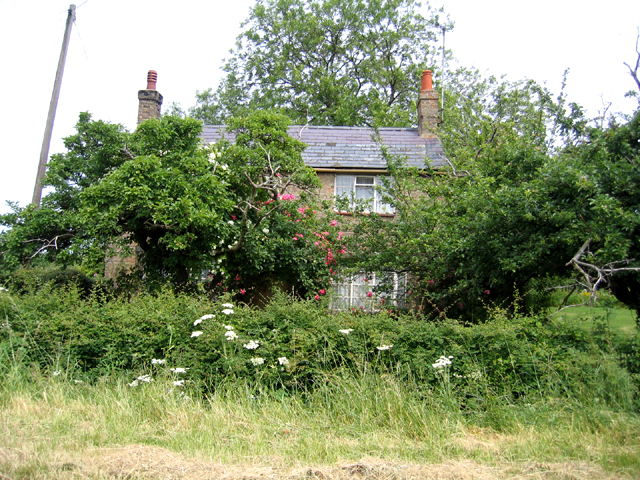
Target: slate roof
353, 147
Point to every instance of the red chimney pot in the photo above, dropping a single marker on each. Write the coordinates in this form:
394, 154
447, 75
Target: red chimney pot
152, 78
427, 83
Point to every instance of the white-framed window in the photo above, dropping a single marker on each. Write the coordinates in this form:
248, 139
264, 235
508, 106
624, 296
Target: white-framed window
365, 189
370, 292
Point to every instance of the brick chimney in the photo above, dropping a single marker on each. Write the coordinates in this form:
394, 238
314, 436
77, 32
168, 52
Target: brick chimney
149, 100
428, 114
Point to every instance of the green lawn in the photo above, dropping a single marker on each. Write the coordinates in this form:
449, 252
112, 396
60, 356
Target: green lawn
620, 320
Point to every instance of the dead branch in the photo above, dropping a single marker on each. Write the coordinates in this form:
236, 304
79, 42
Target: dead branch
48, 243
634, 71
592, 277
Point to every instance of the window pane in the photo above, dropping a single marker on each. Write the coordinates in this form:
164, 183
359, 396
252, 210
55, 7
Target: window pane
365, 180
344, 181
364, 193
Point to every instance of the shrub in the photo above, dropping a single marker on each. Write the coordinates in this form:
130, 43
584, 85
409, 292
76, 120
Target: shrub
298, 345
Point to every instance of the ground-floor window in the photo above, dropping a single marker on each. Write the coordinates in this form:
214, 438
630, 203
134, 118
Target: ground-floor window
370, 291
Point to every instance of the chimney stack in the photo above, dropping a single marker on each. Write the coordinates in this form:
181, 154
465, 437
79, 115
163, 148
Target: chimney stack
149, 100
428, 113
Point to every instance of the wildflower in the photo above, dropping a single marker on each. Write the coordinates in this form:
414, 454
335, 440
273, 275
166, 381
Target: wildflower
252, 345
228, 327
77, 381
227, 305
145, 378
334, 223
197, 322
442, 362
179, 370
158, 361
265, 230
227, 311
346, 331
56, 373
206, 317
231, 335
369, 294
322, 291
178, 383
384, 347
255, 361
283, 361
196, 334
233, 217
230, 222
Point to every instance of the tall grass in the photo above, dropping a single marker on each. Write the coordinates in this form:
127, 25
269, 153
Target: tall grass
517, 390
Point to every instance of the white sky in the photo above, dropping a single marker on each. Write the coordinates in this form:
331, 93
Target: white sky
115, 42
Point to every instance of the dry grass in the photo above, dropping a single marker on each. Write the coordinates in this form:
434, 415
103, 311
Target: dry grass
149, 462
51, 429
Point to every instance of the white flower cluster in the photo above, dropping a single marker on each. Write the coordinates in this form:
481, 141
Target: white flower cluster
442, 362
202, 318
2, 289
283, 361
384, 347
227, 311
158, 361
255, 361
179, 370
230, 335
346, 331
196, 334
141, 378
252, 345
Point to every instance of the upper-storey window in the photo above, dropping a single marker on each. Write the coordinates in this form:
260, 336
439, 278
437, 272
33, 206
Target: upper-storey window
364, 190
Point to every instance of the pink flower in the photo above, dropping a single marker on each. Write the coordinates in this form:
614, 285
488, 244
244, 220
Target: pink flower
460, 305
295, 238
369, 294
299, 235
233, 217
242, 291
487, 292
334, 223
277, 174
237, 277
316, 243
317, 297
322, 291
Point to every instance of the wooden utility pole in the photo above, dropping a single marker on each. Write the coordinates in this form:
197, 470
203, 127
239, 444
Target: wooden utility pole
46, 142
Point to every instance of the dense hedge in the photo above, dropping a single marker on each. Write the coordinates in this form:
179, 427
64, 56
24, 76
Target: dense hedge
301, 343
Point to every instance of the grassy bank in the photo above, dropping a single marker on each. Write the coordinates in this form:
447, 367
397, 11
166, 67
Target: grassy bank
56, 428
170, 386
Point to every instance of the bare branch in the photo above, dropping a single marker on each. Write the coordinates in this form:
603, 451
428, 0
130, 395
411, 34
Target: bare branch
634, 71
48, 243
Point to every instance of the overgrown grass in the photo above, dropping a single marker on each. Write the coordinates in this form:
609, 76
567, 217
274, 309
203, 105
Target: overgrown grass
49, 421
516, 390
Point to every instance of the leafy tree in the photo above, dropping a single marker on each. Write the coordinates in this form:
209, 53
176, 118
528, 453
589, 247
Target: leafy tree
527, 185
326, 62
189, 207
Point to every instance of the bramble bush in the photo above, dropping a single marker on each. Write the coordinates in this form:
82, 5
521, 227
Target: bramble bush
298, 345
